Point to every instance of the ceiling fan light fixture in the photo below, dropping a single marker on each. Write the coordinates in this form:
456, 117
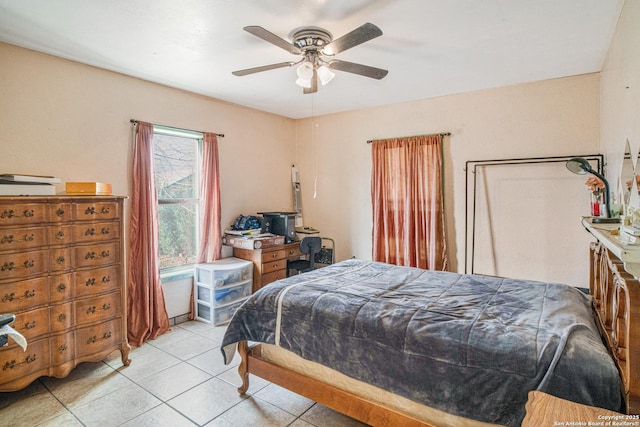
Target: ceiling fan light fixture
305, 70
306, 83
325, 74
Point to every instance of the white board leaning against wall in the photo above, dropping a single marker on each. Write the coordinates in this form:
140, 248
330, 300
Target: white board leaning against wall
523, 221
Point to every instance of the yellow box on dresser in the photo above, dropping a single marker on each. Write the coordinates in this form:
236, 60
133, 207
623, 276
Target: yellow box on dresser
62, 275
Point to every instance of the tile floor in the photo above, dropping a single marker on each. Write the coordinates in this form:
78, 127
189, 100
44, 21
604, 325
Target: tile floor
176, 380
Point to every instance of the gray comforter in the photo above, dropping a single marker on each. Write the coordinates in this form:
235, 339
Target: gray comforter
469, 345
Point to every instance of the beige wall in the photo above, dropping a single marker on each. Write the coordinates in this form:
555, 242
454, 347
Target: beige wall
620, 89
549, 118
70, 120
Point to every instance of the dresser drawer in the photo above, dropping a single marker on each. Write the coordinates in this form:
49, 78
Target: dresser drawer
100, 280
32, 324
23, 213
15, 363
96, 232
62, 348
23, 238
97, 309
294, 252
96, 211
268, 267
60, 259
19, 296
59, 212
98, 338
97, 255
61, 287
26, 264
60, 235
273, 255
273, 276
61, 317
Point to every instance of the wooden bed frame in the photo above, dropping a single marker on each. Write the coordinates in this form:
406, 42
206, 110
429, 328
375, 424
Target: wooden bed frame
616, 305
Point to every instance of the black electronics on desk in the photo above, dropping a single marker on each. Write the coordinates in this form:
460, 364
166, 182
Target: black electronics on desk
280, 223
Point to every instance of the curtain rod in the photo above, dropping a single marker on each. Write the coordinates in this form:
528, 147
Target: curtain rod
441, 134
221, 135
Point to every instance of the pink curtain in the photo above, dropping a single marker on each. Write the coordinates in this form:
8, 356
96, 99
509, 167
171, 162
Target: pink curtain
147, 315
210, 232
407, 199
210, 211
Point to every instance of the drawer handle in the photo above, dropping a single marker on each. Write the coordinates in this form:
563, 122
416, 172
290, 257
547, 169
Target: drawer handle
60, 235
12, 295
105, 230
95, 338
62, 317
90, 232
275, 265
30, 325
27, 213
92, 210
62, 348
10, 238
93, 309
92, 281
7, 214
274, 255
13, 364
92, 255
62, 287
60, 259
10, 266
60, 212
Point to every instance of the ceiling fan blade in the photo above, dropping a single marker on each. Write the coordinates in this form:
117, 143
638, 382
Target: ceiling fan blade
314, 84
358, 36
253, 70
363, 70
272, 38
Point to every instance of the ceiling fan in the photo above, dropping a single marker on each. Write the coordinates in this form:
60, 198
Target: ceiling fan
317, 47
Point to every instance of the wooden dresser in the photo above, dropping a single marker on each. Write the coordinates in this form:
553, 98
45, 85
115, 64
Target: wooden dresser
269, 264
62, 275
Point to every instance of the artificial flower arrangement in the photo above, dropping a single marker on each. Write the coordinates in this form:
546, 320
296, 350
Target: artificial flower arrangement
596, 186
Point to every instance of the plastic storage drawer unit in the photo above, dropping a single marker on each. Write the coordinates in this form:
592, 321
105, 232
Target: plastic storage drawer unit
220, 288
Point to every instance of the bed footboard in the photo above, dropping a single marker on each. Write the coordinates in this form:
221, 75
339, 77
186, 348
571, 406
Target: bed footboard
616, 295
347, 403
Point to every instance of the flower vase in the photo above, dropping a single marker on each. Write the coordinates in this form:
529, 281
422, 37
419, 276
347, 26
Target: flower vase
597, 204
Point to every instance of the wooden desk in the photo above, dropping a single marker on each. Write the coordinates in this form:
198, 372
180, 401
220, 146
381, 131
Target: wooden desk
546, 410
269, 264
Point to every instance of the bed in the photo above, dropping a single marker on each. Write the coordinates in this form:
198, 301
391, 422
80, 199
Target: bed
392, 345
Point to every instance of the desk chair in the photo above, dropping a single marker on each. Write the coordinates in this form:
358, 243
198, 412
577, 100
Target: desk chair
310, 246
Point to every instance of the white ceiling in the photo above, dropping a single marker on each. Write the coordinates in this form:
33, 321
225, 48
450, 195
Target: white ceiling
430, 47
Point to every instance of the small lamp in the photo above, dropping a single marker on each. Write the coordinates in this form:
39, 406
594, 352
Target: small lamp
580, 166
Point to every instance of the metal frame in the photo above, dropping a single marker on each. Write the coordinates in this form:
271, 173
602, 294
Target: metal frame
471, 166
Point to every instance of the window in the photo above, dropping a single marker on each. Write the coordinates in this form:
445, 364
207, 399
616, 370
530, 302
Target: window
177, 169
